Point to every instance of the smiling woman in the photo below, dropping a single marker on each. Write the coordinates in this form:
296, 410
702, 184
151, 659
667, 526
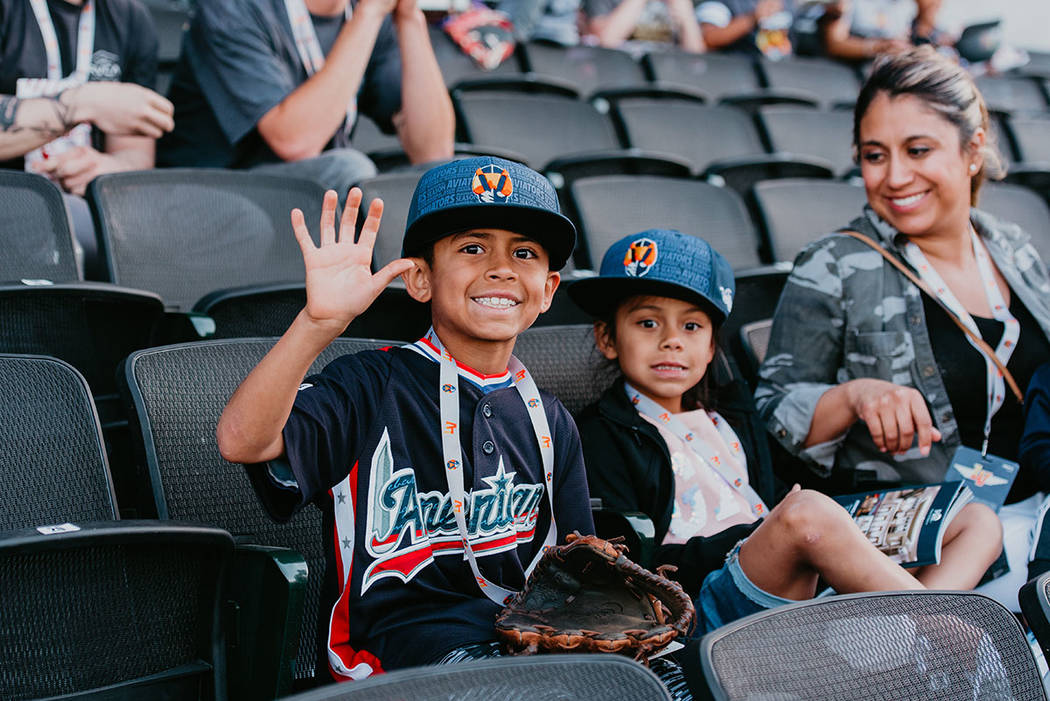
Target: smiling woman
870, 377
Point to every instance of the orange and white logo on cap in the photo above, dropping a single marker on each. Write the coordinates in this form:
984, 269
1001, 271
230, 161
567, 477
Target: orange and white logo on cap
640, 257
492, 183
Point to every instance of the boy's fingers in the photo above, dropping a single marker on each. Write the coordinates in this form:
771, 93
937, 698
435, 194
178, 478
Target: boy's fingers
796, 488
371, 225
391, 270
923, 424
328, 217
302, 234
349, 220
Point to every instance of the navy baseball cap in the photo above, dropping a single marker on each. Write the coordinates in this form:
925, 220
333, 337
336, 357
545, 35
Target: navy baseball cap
664, 263
488, 192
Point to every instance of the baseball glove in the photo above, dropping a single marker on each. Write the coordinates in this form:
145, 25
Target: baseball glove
586, 596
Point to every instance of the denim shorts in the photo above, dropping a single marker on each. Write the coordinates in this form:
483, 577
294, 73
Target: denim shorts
727, 594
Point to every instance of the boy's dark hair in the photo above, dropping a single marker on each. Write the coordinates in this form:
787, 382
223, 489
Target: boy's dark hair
702, 395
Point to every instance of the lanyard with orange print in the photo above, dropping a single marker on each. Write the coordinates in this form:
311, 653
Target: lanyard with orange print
453, 457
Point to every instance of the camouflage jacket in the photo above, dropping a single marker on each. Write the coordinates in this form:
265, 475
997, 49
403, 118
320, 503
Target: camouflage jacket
846, 313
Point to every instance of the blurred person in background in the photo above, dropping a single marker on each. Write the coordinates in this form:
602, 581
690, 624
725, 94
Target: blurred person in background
644, 25
276, 85
862, 29
76, 98
555, 21
754, 27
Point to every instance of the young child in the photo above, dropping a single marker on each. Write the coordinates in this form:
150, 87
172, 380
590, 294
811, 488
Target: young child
441, 470
655, 443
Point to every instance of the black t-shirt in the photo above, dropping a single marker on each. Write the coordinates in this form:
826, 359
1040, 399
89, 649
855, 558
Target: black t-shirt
363, 442
239, 61
963, 370
125, 46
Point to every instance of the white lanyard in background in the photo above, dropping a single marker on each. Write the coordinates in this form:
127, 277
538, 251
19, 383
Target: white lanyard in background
85, 40
648, 407
996, 385
312, 57
452, 454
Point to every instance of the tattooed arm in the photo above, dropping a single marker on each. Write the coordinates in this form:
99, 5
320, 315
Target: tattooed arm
123, 109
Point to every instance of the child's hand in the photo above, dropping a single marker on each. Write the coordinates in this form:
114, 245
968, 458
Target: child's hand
339, 280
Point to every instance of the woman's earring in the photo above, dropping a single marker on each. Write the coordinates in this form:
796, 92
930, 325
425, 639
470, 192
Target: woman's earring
973, 167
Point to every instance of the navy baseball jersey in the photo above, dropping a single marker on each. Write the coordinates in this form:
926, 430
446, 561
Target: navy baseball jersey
364, 444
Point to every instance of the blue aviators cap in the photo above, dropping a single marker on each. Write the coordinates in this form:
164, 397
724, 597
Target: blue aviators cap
488, 192
663, 263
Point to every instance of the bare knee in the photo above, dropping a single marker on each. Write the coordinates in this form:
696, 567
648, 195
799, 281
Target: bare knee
979, 519
808, 517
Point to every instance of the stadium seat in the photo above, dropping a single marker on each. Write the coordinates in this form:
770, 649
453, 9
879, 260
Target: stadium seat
117, 610
831, 83
386, 152
541, 127
757, 293
717, 141
911, 646
587, 68
612, 206
171, 18
1034, 597
564, 362
827, 135
1031, 135
51, 450
509, 678
754, 342
1012, 94
1023, 207
457, 67
829, 206
718, 77
36, 236
177, 394
184, 232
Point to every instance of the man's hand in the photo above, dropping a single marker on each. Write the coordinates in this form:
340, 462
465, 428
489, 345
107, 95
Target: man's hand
893, 414
77, 167
120, 108
339, 280
767, 8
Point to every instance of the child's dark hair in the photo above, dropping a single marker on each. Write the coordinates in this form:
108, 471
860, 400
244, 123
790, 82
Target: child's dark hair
702, 395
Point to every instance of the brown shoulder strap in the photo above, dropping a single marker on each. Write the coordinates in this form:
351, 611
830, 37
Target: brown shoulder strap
921, 284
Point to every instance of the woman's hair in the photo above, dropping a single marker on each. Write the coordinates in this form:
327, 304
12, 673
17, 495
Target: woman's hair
702, 395
945, 87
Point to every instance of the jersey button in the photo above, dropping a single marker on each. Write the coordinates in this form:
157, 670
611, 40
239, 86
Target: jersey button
488, 447
486, 411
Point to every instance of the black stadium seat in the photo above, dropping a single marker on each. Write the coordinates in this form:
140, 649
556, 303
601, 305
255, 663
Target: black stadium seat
36, 237
185, 232
1012, 94
794, 213
587, 68
825, 134
1023, 207
833, 84
1032, 138
614, 206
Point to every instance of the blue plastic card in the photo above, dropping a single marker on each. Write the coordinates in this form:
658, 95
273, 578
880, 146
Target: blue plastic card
988, 476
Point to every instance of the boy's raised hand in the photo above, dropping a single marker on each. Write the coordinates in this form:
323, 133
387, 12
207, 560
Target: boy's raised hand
339, 280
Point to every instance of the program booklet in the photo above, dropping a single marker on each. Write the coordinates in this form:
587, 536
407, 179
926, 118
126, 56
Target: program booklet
908, 523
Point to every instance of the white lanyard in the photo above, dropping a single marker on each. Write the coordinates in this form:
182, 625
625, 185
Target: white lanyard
85, 40
648, 407
310, 52
452, 454
996, 385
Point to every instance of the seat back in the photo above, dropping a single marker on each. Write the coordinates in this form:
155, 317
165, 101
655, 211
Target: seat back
611, 207
824, 134
540, 127
1021, 206
171, 19
395, 189
587, 68
754, 341
830, 205
51, 450
35, 230
921, 645
688, 129
716, 75
1034, 598
515, 679
184, 232
456, 66
178, 393
1032, 137
833, 83
107, 611
1012, 94
564, 361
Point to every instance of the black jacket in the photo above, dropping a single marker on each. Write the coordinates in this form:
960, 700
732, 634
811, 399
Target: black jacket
629, 468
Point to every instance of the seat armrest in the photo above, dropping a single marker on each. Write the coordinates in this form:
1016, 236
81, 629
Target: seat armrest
636, 528
266, 592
